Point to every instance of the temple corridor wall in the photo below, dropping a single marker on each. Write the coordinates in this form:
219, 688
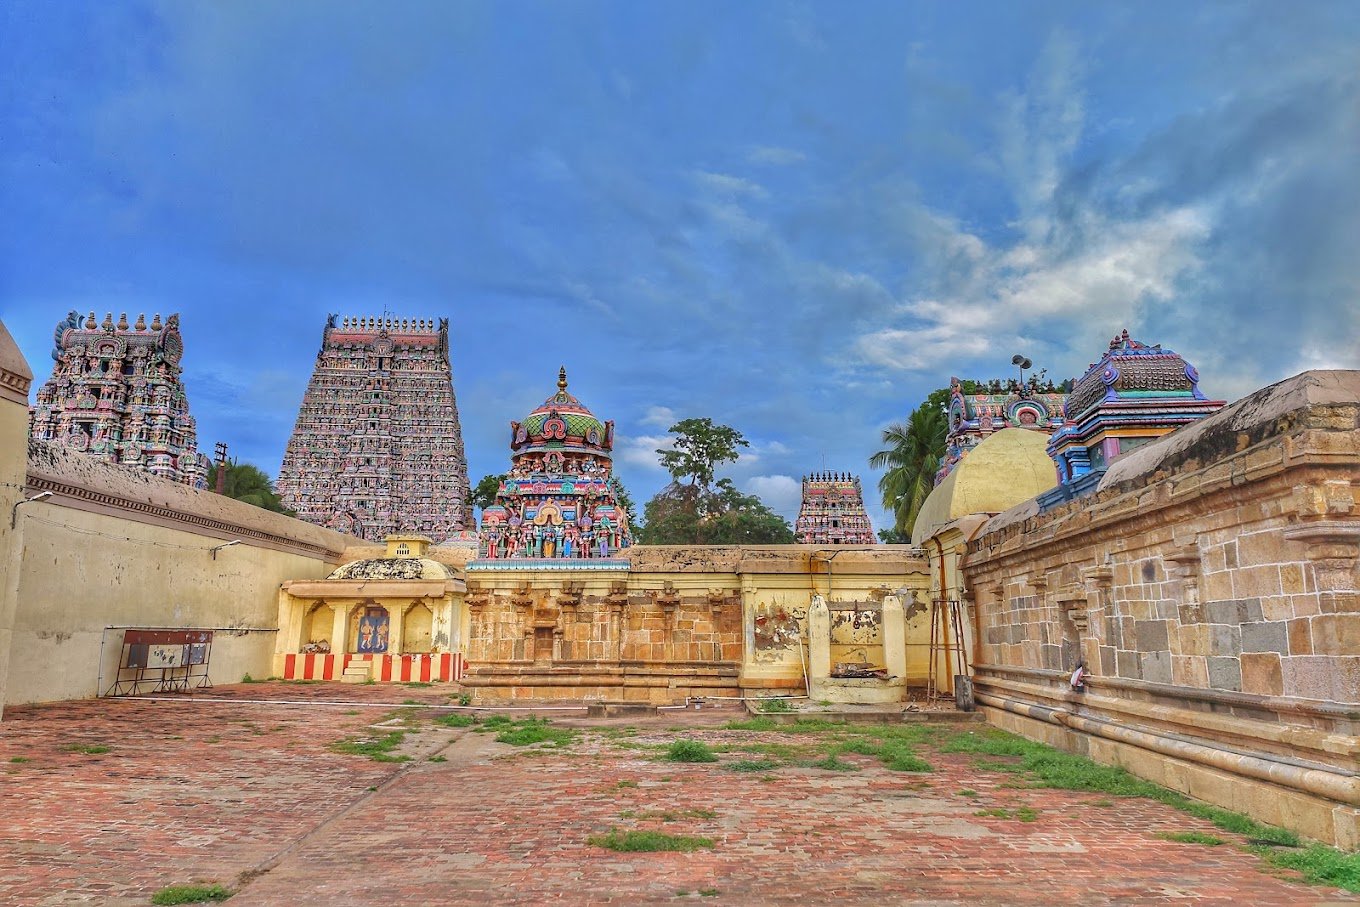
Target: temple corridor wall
1210, 586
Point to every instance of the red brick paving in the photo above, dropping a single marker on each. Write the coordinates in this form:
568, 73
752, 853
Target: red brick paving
249, 795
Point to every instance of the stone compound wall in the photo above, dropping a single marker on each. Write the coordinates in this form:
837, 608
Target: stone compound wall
1210, 586
675, 622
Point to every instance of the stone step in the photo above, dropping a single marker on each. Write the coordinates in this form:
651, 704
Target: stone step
355, 672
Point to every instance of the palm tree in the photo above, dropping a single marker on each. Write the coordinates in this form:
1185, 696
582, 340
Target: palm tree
251, 485
911, 456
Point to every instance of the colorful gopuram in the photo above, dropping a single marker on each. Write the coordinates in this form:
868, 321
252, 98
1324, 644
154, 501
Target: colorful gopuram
1134, 394
832, 512
116, 394
377, 449
993, 406
560, 499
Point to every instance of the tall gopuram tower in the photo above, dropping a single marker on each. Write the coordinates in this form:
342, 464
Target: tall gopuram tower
115, 393
560, 499
377, 448
833, 512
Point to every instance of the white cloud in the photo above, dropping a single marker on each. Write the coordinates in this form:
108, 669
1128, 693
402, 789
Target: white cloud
640, 450
782, 494
660, 416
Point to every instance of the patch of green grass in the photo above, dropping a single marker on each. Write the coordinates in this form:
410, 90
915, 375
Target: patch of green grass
529, 731
440, 758
410, 702
244, 679
89, 749
895, 754
968, 792
624, 784
191, 894
690, 751
465, 699
1102, 803
418, 683
833, 763
708, 892
379, 749
1319, 864
648, 842
455, 720
753, 724
752, 765
20, 759
496, 723
350, 712
1191, 837
1026, 814
302, 682
775, 705
995, 812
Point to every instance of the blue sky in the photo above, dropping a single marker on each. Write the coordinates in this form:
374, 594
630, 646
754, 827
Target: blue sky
794, 218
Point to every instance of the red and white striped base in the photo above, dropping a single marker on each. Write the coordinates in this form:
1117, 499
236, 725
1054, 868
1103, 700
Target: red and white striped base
445, 666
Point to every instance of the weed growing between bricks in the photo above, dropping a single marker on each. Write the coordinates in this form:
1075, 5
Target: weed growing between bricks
191, 894
648, 842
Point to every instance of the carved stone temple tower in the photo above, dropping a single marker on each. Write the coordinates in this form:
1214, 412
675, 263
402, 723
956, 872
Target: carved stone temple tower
377, 448
115, 394
833, 512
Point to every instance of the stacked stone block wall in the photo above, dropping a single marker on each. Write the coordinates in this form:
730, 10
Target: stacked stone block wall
1209, 585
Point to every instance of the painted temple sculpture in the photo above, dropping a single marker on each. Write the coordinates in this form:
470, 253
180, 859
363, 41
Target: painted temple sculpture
116, 394
832, 512
560, 499
1133, 395
377, 448
986, 408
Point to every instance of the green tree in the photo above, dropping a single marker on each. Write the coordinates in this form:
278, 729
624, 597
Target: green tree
624, 499
698, 511
893, 537
911, 455
699, 447
484, 495
248, 483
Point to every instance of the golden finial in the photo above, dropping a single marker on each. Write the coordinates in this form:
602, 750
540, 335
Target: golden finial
562, 379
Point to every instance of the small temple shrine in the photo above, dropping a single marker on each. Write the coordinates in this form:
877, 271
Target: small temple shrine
1133, 395
377, 447
116, 394
832, 512
990, 407
397, 618
560, 500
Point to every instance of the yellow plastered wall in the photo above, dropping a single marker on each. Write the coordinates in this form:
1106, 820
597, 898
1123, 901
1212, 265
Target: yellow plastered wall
81, 572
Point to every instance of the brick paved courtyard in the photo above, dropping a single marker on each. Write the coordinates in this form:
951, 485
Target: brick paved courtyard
106, 802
